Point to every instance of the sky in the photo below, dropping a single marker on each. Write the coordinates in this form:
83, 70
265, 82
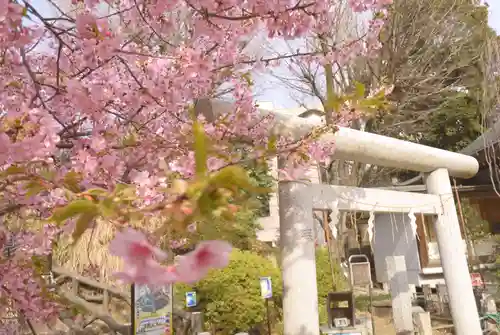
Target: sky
281, 97
494, 17
267, 88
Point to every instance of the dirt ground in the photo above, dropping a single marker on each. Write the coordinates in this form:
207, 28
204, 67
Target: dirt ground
384, 325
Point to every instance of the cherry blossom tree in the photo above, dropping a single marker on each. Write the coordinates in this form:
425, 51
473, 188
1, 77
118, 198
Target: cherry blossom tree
98, 121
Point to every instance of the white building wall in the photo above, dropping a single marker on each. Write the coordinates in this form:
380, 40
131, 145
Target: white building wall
393, 236
270, 224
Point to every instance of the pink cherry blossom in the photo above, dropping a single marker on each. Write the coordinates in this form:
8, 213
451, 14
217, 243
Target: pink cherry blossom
292, 174
149, 272
98, 143
134, 247
176, 244
208, 255
19, 282
140, 258
104, 100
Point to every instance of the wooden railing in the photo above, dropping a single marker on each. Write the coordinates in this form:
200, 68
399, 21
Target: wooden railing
95, 300
99, 308
93, 308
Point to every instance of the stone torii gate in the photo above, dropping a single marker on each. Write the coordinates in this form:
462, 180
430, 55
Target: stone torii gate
297, 200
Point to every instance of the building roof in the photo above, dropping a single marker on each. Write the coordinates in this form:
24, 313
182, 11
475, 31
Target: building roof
488, 139
311, 112
423, 188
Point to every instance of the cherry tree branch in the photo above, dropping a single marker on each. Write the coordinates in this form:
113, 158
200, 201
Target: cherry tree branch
115, 326
206, 14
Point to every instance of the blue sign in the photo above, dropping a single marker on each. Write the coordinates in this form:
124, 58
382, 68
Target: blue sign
190, 299
266, 288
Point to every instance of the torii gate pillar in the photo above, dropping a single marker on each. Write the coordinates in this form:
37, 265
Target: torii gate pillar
453, 258
298, 261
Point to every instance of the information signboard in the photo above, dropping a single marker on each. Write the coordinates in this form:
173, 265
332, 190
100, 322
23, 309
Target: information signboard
190, 299
152, 310
477, 279
266, 288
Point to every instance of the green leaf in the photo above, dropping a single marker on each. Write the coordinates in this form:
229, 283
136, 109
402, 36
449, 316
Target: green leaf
72, 181
34, 187
206, 203
200, 149
74, 208
83, 223
360, 90
236, 176
304, 157
124, 192
271, 144
196, 188
119, 188
129, 141
13, 170
48, 174
107, 207
248, 78
334, 102
15, 84
96, 191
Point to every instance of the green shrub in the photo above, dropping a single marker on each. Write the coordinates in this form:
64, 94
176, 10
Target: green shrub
230, 297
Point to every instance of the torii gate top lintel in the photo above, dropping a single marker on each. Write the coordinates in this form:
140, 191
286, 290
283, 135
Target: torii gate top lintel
361, 146
369, 148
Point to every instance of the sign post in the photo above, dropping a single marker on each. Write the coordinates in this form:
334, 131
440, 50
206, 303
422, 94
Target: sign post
266, 292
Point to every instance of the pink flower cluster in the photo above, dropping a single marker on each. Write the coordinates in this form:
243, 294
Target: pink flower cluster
20, 285
142, 260
106, 97
364, 5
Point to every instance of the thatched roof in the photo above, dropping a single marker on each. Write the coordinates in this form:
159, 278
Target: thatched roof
91, 251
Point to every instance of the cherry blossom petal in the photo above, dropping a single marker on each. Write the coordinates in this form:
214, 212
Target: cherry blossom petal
133, 245
150, 273
193, 266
